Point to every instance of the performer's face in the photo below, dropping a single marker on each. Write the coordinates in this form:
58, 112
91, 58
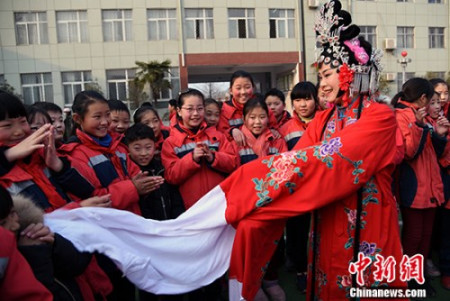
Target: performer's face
329, 82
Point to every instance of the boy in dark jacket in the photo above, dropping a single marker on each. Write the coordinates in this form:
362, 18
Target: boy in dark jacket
164, 202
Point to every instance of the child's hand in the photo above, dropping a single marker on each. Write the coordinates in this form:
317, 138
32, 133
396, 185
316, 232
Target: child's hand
442, 126
28, 145
36, 234
97, 201
50, 155
146, 184
238, 136
207, 153
275, 133
198, 153
420, 115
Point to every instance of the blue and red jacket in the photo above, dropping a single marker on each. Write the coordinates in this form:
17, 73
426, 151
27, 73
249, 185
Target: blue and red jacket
284, 119
293, 130
108, 170
196, 179
31, 177
263, 145
418, 177
232, 116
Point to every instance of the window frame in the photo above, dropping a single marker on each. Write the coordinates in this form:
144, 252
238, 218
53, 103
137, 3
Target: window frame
402, 38
42, 33
41, 86
82, 83
249, 20
167, 20
289, 24
126, 25
201, 24
79, 24
436, 38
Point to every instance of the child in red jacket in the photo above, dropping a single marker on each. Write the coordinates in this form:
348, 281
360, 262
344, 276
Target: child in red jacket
195, 155
276, 101
420, 188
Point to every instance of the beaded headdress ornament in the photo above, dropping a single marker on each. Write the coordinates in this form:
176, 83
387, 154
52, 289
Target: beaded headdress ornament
338, 43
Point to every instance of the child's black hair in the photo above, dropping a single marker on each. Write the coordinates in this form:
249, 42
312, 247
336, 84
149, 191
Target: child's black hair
241, 74
173, 102
212, 101
413, 89
139, 113
257, 101
11, 106
48, 106
118, 105
34, 110
6, 203
137, 132
277, 93
81, 103
189, 92
437, 81
305, 90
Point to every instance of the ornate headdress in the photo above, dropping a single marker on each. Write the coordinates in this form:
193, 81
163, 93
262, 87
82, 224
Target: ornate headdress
338, 43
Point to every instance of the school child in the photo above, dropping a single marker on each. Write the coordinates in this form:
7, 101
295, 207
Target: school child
441, 87
165, 201
259, 139
194, 155
231, 117
149, 116
100, 157
56, 118
172, 108
260, 142
420, 188
29, 163
305, 102
120, 116
37, 117
212, 112
275, 100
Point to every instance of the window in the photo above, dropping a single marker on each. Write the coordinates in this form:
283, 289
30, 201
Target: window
174, 78
37, 87
74, 82
408, 75
117, 25
71, 26
435, 1
281, 22
161, 24
241, 23
199, 23
31, 28
402, 0
118, 83
370, 34
405, 37
436, 37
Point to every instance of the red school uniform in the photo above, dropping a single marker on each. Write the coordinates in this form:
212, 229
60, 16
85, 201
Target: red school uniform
196, 179
284, 119
419, 181
107, 169
263, 145
232, 116
337, 156
293, 130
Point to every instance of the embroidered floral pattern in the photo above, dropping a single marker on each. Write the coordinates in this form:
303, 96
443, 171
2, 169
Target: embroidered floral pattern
331, 126
345, 80
330, 147
367, 248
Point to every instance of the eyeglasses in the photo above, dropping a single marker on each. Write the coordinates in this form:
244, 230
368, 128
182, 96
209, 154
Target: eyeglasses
191, 110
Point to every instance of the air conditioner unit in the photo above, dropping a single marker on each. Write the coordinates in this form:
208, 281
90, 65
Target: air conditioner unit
390, 43
313, 3
390, 76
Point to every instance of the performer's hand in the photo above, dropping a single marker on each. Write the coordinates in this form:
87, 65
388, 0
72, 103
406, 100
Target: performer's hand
36, 234
97, 201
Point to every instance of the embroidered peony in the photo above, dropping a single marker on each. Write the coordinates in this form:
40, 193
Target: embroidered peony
351, 215
346, 281
331, 126
345, 80
284, 168
330, 147
367, 248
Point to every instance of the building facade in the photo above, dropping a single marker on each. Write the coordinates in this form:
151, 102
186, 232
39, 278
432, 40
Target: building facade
50, 50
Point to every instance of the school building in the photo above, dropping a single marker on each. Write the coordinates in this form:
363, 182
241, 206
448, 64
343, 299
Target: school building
50, 50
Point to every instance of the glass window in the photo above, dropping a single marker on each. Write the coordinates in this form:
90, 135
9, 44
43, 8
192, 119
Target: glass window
281, 23
199, 23
117, 25
31, 28
161, 24
174, 78
370, 34
241, 23
405, 37
74, 82
408, 75
71, 26
435, 1
118, 83
436, 37
37, 87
